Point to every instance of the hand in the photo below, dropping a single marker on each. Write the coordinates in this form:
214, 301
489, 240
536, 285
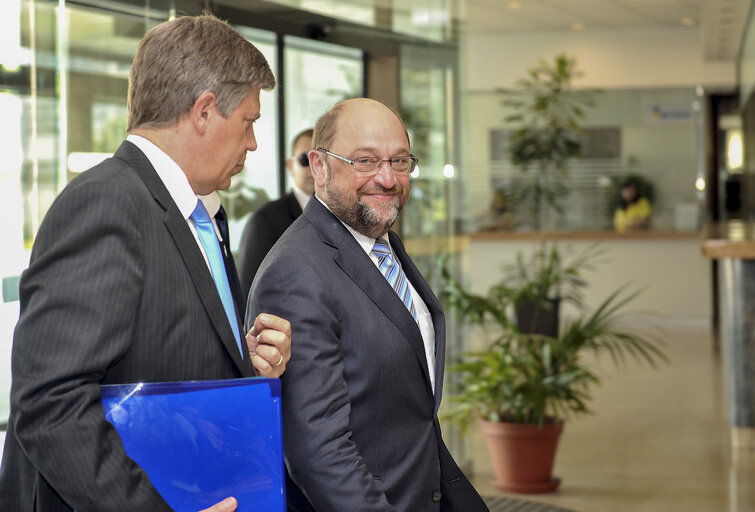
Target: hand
227, 505
269, 344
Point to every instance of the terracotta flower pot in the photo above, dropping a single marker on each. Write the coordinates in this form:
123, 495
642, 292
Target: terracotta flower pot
522, 455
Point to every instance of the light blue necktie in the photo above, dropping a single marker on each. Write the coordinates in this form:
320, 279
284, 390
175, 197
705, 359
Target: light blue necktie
206, 232
393, 273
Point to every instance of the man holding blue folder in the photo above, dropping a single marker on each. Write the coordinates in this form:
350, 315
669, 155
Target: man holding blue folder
127, 281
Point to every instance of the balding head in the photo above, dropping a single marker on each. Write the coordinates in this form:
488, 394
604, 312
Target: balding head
327, 126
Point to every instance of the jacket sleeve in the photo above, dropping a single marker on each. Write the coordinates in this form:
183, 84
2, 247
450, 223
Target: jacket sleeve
79, 301
256, 240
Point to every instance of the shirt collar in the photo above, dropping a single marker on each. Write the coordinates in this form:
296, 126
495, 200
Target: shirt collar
211, 203
170, 174
301, 197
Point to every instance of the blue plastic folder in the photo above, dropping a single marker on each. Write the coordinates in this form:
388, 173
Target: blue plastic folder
203, 441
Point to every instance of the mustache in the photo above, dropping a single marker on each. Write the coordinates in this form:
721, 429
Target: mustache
379, 189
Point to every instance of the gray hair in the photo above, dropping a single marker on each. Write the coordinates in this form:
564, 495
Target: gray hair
181, 59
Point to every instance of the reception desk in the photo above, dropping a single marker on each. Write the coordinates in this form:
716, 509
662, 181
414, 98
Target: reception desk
674, 279
733, 246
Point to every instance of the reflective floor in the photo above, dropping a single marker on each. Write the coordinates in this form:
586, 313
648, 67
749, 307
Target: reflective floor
659, 440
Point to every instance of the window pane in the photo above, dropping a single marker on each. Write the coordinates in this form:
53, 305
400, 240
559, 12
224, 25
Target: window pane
649, 134
427, 109
64, 110
258, 182
317, 75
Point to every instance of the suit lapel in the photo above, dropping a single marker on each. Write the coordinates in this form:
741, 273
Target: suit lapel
431, 301
187, 246
352, 259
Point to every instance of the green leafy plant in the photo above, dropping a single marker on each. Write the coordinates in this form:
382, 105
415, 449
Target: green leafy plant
532, 378
548, 274
546, 115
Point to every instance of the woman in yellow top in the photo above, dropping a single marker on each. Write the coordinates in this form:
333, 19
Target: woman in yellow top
634, 210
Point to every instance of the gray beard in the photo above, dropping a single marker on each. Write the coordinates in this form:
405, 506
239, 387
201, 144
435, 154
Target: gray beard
360, 218
363, 219
370, 224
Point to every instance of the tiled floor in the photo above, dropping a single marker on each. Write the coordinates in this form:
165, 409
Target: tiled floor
659, 440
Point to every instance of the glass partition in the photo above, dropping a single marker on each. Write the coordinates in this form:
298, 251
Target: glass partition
63, 86
648, 134
431, 219
741, 189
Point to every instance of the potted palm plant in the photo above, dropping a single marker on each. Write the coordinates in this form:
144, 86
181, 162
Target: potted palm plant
523, 385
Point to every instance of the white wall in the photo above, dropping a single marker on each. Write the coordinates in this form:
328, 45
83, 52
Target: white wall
674, 277
609, 58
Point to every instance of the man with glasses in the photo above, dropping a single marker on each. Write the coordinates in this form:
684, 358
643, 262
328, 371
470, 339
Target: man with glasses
267, 224
363, 386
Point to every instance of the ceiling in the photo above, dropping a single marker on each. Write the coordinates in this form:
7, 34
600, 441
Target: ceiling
721, 21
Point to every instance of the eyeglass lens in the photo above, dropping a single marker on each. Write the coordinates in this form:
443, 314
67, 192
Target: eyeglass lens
372, 165
303, 159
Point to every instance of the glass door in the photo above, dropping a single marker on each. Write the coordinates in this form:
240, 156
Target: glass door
431, 220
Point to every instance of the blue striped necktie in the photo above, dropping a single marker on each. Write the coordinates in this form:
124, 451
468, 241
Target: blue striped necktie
393, 273
209, 240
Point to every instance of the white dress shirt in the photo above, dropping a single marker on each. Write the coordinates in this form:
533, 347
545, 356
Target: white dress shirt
301, 197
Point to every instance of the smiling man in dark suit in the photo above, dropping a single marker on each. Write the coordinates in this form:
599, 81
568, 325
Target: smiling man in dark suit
362, 389
267, 224
124, 283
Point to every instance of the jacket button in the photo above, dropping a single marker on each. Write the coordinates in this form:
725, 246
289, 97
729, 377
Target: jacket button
437, 496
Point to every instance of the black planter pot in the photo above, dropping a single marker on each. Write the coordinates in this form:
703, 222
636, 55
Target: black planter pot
532, 317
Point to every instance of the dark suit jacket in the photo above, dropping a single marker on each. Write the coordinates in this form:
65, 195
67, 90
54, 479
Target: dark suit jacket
359, 416
264, 228
117, 291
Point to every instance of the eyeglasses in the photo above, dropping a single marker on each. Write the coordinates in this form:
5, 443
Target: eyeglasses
303, 159
370, 165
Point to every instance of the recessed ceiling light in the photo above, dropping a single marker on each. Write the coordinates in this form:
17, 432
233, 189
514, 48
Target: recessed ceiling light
514, 5
687, 21
577, 26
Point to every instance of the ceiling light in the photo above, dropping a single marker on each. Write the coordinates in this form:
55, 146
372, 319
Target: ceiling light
514, 5
687, 21
734, 150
